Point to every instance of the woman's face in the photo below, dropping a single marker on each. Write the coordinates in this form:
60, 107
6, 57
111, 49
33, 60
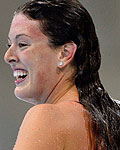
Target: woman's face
33, 62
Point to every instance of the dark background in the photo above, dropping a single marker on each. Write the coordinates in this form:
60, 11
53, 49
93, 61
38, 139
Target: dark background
106, 16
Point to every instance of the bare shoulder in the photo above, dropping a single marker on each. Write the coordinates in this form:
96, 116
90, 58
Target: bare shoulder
75, 125
59, 113
45, 112
41, 129
73, 112
51, 126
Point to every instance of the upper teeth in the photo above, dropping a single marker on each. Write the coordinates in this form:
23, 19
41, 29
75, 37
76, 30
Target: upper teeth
18, 73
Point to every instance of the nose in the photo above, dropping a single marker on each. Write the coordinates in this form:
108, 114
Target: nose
10, 56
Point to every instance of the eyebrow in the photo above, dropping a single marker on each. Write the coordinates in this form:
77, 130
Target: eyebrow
19, 35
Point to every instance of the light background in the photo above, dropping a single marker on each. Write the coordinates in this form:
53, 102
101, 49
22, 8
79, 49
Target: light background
106, 15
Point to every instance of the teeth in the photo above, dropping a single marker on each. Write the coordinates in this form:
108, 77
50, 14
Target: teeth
19, 73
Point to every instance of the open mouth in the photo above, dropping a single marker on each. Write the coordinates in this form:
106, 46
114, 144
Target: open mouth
20, 75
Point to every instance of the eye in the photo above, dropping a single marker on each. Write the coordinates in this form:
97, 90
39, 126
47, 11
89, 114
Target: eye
22, 45
8, 45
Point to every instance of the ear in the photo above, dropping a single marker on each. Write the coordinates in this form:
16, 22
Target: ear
66, 54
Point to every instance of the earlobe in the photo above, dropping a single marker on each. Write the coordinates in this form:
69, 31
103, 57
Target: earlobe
66, 54
61, 63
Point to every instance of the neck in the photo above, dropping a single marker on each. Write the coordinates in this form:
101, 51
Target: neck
63, 91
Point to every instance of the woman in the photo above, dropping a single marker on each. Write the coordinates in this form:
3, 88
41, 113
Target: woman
55, 57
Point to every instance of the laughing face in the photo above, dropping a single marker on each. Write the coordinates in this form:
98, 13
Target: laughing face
33, 62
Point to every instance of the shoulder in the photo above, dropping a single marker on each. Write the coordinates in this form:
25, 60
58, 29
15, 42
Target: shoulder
41, 129
56, 112
43, 115
74, 118
42, 110
51, 126
58, 116
75, 125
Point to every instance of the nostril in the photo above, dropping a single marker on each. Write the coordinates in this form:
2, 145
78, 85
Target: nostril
12, 60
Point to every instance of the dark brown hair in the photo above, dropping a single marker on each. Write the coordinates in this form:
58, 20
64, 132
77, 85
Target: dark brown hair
67, 20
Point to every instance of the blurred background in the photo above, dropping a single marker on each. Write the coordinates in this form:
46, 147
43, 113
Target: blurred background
106, 16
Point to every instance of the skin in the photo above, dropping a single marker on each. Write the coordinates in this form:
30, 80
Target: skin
49, 84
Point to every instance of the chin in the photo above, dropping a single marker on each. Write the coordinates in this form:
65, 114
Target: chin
22, 95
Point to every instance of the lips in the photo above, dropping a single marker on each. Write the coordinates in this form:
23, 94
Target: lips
20, 75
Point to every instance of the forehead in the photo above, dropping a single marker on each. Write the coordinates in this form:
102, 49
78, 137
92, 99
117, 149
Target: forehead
22, 25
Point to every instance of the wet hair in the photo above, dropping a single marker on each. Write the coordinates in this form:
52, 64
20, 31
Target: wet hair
64, 21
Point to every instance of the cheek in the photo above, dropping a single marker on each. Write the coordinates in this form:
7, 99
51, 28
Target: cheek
29, 59
39, 81
41, 77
